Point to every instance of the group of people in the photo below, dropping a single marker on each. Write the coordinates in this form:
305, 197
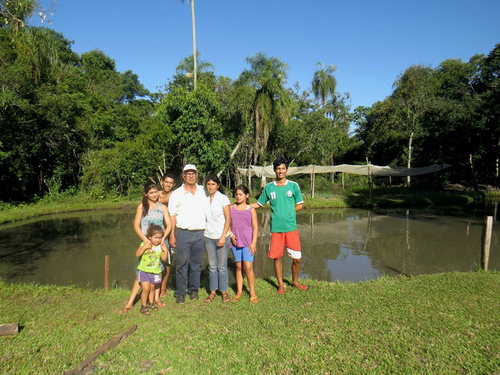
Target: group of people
193, 219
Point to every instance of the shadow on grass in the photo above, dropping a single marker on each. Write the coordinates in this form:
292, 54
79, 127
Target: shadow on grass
274, 284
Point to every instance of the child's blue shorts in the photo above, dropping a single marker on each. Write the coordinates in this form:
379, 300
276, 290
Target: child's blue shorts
242, 254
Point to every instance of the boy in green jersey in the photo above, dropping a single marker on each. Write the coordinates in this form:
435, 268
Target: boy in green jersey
285, 199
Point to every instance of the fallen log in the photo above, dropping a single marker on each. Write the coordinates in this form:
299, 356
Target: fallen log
9, 329
108, 345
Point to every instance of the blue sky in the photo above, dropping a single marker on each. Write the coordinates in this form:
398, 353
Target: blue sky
370, 41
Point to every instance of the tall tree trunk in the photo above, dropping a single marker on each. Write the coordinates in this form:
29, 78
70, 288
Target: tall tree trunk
497, 162
249, 175
258, 149
473, 172
195, 72
410, 140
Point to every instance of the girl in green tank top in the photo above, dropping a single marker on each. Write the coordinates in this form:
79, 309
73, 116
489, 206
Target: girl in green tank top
151, 255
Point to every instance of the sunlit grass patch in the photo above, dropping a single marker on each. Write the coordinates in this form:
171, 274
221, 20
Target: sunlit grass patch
443, 323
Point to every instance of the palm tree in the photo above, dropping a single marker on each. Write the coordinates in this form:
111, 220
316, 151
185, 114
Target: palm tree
262, 98
194, 44
338, 109
324, 83
15, 13
186, 65
40, 47
184, 72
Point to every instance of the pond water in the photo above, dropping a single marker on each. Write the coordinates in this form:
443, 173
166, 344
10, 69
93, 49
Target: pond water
337, 245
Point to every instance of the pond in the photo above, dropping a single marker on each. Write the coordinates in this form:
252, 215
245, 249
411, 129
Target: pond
337, 245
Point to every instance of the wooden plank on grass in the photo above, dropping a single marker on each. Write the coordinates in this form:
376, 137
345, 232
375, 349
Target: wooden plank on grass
9, 329
109, 345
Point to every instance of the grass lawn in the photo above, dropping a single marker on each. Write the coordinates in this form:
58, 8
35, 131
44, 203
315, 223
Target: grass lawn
441, 323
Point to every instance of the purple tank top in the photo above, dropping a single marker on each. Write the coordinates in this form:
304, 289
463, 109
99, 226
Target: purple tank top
241, 224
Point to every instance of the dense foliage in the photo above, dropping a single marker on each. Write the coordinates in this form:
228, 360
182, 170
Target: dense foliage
74, 123
449, 114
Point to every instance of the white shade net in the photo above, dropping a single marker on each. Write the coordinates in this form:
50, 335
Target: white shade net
369, 169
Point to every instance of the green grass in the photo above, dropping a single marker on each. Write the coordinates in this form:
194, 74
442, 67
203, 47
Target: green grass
441, 323
28, 211
393, 197
403, 197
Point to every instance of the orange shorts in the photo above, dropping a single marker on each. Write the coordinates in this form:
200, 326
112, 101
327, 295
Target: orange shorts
289, 239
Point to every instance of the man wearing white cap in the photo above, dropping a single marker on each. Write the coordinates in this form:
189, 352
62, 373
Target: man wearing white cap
188, 220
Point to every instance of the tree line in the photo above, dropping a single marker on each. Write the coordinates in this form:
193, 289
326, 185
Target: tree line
73, 123
448, 114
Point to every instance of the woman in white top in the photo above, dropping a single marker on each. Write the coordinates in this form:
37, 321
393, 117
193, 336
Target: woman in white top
217, 240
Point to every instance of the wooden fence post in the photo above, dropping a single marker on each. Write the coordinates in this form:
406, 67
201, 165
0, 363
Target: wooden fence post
369, 177
488, 227
313, 177
106, 273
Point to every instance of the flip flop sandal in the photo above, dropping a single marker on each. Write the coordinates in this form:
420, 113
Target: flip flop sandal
254, 299
160, 303
124, 310
153, 307
145, 310
210, 297
225, 297
236, 297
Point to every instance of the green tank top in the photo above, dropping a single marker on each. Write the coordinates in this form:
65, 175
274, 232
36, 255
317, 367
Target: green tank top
151, 260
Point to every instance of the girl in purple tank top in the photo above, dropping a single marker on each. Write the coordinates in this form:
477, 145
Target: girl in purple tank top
244, 239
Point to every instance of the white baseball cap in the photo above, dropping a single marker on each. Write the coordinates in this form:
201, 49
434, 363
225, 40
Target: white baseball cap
189, 167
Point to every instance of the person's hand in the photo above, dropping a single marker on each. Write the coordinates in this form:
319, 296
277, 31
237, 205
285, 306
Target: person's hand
253, 249
147, 243
164, 247
222, 242
171, 240
234, 240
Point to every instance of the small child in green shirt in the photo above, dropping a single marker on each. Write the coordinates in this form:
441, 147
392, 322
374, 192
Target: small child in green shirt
150, 269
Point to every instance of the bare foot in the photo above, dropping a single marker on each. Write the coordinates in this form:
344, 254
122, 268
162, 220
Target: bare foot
300, 286
280, 291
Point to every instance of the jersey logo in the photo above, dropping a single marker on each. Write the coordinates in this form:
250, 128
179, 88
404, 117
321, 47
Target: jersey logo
289, 193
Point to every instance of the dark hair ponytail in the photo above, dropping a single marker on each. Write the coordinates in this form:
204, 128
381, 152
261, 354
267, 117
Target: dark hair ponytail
245, 191
152, 229
215, 178
145, 203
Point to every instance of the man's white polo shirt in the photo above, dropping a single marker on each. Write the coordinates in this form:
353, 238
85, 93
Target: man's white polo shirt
188, 208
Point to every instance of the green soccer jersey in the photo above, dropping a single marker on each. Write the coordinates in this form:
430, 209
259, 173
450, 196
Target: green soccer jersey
283, 200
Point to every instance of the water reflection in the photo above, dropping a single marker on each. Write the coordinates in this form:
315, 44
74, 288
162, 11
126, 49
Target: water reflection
346, 245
